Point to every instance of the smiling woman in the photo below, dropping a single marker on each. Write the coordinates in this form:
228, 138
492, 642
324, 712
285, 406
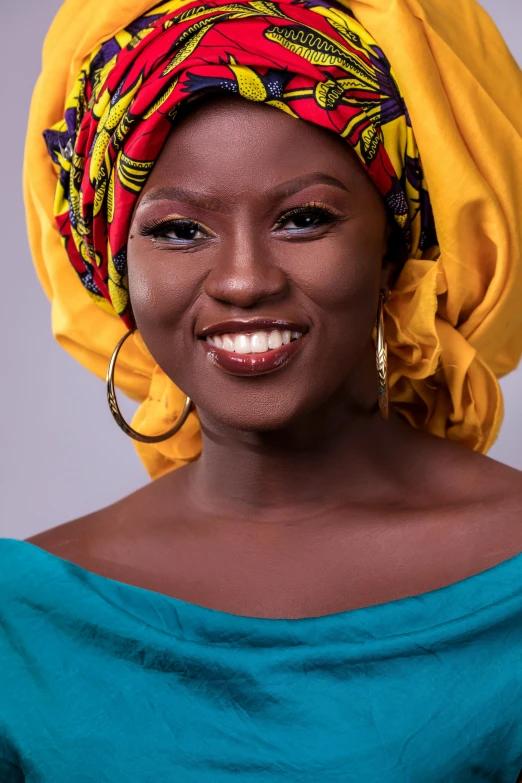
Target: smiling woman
276, 252
317, 289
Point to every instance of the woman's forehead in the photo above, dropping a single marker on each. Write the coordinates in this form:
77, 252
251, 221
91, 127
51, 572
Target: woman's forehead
230, 129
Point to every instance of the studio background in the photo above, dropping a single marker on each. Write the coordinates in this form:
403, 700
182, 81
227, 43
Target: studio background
62, 454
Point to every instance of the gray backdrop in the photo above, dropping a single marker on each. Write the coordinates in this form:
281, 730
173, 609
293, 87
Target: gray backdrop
56, 465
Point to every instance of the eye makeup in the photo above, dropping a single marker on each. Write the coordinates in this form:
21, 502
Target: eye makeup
158, 228
316, 208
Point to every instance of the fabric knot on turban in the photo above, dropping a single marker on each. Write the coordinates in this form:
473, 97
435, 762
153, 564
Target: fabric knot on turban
453, 321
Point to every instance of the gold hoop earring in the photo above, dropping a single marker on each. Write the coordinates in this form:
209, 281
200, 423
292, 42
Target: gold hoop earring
120, 421
382, 360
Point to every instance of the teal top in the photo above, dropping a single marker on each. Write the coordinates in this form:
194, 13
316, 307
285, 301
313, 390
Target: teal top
105, 682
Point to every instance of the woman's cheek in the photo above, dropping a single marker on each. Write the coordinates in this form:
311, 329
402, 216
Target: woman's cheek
160, 283
344, 274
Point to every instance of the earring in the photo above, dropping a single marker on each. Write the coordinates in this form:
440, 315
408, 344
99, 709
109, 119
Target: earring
382, 359
113, 405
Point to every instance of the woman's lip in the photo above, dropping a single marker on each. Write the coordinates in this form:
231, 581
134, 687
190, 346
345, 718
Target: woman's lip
252, 325
251, 364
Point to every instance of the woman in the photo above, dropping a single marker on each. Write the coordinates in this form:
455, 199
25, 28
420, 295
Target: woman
316, 240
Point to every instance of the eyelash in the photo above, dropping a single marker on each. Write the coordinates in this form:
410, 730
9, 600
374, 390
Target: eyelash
157, 229
312, 208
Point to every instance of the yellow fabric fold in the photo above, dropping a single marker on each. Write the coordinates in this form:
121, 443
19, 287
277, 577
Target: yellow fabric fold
453, 325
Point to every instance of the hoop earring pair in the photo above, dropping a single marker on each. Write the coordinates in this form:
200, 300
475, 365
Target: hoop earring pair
382, 385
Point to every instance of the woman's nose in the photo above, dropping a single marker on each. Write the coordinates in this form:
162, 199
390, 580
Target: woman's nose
245, 277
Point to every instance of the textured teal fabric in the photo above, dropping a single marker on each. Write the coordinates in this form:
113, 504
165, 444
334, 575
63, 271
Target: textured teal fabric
104, 681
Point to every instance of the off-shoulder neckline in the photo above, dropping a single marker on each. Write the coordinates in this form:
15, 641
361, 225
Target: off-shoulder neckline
463, 594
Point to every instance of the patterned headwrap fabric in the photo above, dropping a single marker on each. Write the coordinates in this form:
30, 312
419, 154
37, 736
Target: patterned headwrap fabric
114, 78
311, 60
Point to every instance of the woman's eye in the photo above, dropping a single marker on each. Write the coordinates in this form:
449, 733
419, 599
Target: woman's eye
306, 217
182, 230
176, 231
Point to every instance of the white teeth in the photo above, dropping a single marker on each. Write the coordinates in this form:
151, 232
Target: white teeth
242, 344
259, 342
274, 340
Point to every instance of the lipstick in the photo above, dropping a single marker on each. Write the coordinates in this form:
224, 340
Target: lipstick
276, 343
251, 364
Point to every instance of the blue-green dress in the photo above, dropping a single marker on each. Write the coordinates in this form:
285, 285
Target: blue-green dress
106, 682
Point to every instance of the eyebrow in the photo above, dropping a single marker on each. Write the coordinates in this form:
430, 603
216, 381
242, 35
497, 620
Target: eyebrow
170, 192
203, 200
292, 186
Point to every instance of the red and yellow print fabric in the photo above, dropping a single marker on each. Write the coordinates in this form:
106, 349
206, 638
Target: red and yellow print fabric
308, 58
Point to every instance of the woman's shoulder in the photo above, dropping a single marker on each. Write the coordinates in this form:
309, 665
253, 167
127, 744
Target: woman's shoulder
33, 568
486, 479
473, 491
457, 475
119, 541
83, 538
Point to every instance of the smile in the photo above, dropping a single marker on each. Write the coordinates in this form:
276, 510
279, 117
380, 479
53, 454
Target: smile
258, 342
251, 351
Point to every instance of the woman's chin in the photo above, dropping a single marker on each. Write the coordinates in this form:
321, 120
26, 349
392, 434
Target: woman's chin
266, 418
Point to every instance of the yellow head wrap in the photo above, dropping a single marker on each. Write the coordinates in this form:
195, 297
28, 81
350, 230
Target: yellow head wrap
453, 324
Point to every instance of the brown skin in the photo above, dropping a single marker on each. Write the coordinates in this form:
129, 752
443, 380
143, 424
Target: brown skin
305, 501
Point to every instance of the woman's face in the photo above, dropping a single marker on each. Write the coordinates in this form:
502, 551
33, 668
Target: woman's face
255, 223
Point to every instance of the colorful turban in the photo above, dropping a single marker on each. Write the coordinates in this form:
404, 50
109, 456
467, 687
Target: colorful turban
312, 61
114, 78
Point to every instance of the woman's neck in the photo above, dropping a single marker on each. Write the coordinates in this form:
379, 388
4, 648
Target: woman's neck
336, 455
